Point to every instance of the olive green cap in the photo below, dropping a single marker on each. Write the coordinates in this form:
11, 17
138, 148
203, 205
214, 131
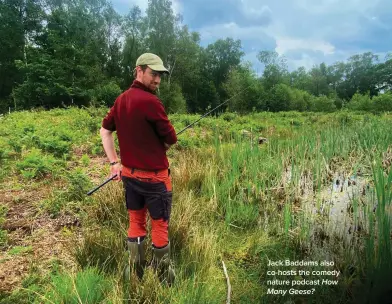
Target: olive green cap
152, 61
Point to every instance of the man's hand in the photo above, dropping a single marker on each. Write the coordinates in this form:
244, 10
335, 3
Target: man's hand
167, 146
116, 169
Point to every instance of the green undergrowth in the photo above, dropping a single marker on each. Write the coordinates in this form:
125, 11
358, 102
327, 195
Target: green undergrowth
235, 202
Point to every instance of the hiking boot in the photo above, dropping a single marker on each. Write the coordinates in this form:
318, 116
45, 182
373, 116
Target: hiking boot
162, 264
136, 258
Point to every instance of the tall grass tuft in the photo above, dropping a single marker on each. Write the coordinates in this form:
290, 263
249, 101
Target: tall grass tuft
89, 286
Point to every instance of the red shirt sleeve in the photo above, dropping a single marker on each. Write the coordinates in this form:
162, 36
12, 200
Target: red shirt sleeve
156, 114
108, 122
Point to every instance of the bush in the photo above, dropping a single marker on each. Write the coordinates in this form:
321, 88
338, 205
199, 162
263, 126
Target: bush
36, 165
3, 238
244, 81
106, 94
280, 97
172, 98
322, 104
79, 184
55, 145
3, 213
300, 100
360, 102
228, 116
383, 102
3, 152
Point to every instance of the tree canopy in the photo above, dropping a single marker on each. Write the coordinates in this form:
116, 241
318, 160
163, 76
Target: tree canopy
78, 53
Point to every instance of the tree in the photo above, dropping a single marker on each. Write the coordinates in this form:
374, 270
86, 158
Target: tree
172, 98
280, 97
300, 100
383, 74
275, 70
67, 62
359, 75
133, 30
112, 28
300, 79
319, 81
186, 68
219, 58
20, 24
161, 22
252, 96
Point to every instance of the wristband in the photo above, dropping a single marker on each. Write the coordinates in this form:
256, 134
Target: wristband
113, 163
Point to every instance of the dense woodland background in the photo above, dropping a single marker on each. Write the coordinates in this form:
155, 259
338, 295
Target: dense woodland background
61, 53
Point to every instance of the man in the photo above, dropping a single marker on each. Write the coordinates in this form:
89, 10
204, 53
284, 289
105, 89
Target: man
144, 134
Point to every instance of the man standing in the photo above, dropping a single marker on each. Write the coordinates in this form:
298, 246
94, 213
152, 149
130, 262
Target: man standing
144, 134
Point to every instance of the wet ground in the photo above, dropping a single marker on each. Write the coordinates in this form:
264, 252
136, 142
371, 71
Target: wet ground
343, 205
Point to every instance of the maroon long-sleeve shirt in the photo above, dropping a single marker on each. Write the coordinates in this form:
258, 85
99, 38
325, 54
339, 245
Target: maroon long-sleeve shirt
142, 128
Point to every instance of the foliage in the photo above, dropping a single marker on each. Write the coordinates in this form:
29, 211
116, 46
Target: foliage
360, 102
3, 238
80, 53
3, 233
172, 98
79, 184
36, 165
280, 97
383, 102
322, 104
235, 200
106, 94
301, 100
245, 90
88, 286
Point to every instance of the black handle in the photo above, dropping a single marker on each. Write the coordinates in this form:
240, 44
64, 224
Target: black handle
101, 185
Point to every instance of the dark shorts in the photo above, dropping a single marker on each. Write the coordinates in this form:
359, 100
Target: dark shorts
155, 196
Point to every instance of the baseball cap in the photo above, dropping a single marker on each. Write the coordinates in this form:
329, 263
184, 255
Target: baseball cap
152, 61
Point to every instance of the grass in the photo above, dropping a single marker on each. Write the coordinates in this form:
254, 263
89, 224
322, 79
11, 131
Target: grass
234, 200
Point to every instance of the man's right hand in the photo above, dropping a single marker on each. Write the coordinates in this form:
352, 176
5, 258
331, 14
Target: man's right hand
116, 169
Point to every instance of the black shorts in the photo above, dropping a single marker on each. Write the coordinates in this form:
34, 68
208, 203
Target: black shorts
155, 196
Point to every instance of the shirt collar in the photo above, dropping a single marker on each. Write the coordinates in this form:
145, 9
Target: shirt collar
137, 84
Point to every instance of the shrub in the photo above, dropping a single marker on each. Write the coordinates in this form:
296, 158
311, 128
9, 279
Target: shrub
85, 160
106, 94
300, 100
172, 98
36, 165
55, 145
3, 152
3, 213
3, 238
228, 116
360, 102
383, 102
322, 104
280, 97
79, 184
